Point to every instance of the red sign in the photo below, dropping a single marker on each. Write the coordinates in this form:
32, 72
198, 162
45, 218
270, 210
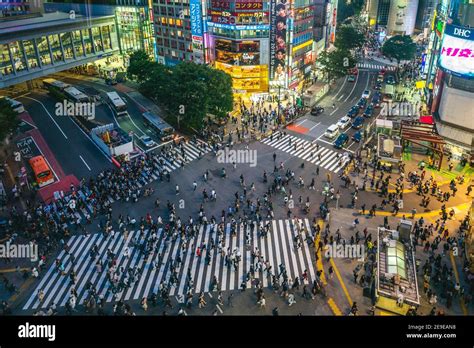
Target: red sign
222, 4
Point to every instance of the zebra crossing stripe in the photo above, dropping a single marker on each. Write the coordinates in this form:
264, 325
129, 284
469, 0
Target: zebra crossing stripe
189, 255
224, 267
59, 277
288, 147
146, 268
300, 249
202, 261
101, 255
79, 275
281, 233
329, 159
292, 247
153, 272
277, 245
306, 249
111, 243
72, 241
60, 284
240, 277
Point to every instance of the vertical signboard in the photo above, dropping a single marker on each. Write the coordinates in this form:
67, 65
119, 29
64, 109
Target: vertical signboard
197, 30
278, 39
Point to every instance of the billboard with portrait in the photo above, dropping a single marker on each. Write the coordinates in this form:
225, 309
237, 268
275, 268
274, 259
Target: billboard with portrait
456, 54
278, 39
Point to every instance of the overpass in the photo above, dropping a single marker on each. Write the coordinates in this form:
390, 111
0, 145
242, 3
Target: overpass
40, 45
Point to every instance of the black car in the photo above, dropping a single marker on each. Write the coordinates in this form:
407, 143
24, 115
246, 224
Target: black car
317, 110
362, 103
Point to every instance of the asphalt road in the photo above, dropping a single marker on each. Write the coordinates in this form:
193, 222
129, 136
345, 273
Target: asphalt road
75, 151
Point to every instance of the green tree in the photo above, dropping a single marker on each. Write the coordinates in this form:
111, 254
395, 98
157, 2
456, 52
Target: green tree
399, 47
140, 65
8, 119
336, 63
188, 92
348, 8
348, 38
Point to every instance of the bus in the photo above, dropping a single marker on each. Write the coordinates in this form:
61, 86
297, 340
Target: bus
55, 85
15, 104
43, 174
162, 129
118, 105
75, 96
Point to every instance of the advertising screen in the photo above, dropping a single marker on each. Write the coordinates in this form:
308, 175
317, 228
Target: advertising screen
278, 39
457, 51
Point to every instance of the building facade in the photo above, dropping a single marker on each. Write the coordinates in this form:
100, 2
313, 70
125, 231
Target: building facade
450, 75
35, 47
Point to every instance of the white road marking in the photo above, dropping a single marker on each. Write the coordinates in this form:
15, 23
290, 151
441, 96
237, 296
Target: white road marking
317, 124
219, 308
50, 116
342, 96
353, 88
340, 89
85, 162
333, 111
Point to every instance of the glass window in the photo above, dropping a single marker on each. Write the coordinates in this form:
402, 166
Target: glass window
29, 47
76, 38
18, 57
56, 48
106, 37
96, 39
87, 41
43, 50
5, 63
67, 45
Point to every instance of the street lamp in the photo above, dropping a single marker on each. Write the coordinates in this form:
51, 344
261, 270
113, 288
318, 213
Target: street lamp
278, 106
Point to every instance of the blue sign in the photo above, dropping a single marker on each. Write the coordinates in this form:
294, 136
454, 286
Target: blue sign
239, 27
196, 18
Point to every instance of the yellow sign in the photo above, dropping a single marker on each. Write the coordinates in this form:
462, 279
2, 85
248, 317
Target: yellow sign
420, 84
307, 43
372, 22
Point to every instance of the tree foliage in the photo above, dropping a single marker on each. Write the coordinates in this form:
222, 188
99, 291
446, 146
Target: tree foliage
8, 119
140, 65
336, 63
399, 47
346, 9
187, 91
348, 38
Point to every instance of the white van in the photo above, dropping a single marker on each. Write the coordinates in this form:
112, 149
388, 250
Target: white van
332, 131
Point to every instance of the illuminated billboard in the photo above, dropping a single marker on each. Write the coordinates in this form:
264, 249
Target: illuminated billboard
278, 39
456, 55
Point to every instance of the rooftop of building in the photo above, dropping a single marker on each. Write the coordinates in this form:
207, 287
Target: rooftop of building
396, 272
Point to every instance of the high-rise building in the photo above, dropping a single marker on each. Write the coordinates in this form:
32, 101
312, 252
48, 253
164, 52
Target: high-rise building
172, 20
450, 75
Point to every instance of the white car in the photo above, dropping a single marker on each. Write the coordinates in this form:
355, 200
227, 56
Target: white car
344, 122
366, 94
332, 131
147, 141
